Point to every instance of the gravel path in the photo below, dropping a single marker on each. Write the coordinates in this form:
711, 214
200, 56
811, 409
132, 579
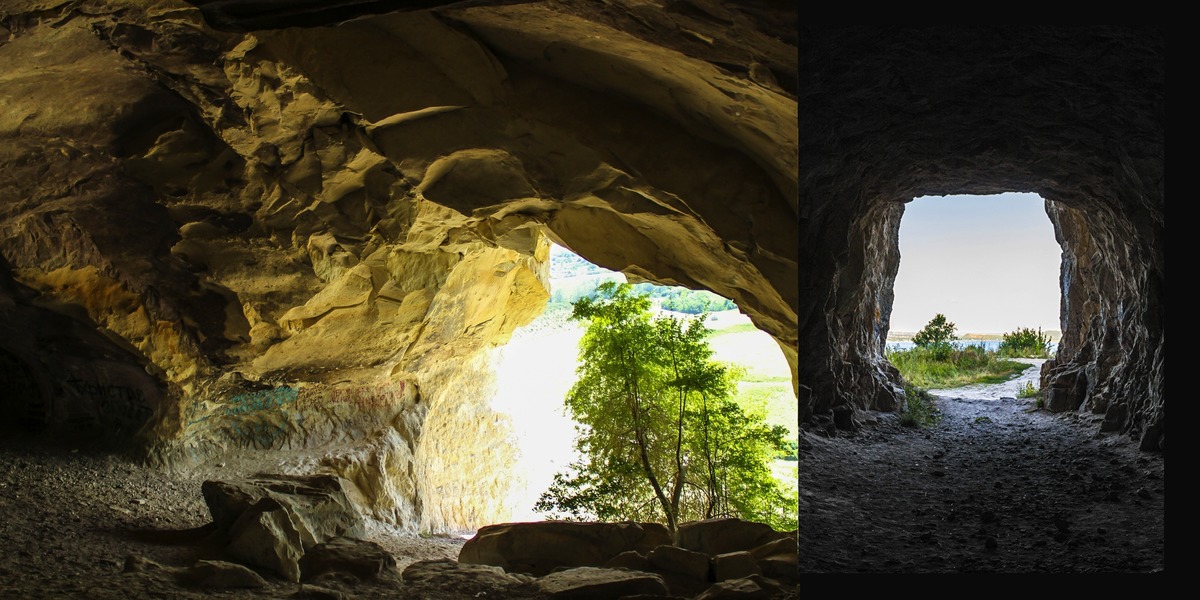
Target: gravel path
997, 486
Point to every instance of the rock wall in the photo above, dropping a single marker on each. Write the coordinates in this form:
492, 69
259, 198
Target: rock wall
1074, 114
222, 232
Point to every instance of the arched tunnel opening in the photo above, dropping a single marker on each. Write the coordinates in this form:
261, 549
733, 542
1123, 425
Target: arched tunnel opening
537, 368
990, 267
990, 263
983, 478
899, 113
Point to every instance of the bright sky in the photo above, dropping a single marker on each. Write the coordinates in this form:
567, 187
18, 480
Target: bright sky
989, 263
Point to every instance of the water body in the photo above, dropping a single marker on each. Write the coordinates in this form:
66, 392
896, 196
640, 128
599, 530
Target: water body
985, 344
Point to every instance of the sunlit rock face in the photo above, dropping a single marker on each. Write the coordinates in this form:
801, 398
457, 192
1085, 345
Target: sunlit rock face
1073, 114
222, 230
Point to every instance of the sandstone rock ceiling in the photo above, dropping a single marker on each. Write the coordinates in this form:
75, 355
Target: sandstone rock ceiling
222, 230
1075, 114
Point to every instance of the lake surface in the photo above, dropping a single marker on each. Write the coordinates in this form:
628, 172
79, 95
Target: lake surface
985, 344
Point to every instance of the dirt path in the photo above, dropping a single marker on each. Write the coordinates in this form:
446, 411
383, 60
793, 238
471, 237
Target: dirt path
996, 486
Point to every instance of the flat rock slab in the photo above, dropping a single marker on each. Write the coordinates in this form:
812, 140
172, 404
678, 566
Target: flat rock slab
216, 574
734, 565
446, 575
754, 587
361, 558
273, 520
719, 536
322, 496
680, 562
586, 583
541, 547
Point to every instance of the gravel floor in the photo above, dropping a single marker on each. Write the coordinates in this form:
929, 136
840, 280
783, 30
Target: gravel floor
997, 486
73, 514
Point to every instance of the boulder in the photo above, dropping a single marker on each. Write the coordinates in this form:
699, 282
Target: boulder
539, 548
632, 560
734, 565
316, 592
363, 559
217, 574
271, 521
780, 567
680, 562
753, 587
205, 574
719, 536
318, 501
782, 546
584, 583
266, 536
445, 575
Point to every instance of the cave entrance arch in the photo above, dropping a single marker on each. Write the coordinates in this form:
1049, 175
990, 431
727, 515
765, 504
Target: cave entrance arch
536, 368
991, 264
1073, 114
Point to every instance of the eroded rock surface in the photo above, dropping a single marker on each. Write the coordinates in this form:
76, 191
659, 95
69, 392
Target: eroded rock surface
591, 559
541, 547
270, 226
272, 522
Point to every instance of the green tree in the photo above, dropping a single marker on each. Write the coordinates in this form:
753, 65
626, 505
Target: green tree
660, 436
936, 336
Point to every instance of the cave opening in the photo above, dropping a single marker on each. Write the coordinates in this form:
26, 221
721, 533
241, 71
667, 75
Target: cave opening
536, 369
989, 263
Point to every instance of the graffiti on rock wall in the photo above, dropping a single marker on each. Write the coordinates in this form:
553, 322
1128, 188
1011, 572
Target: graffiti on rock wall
260, 433
22, 404
246, 403
119, 407
251, 417
363, 397
254, 418
260, 400
102, 391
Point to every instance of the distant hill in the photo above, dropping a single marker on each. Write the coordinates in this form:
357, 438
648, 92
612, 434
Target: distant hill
565, 264
572, 277
905, 336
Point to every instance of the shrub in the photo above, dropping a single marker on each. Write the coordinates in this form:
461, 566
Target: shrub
1026, 343
936, 336
918, 408
934, 368
1028, 390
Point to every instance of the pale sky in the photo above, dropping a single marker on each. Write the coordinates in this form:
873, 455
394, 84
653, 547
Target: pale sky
989, 263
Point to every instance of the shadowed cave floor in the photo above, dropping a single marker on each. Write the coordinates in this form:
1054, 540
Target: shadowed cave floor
997, 486
70, 514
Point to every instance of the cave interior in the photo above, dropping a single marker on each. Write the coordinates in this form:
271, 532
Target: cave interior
244, 225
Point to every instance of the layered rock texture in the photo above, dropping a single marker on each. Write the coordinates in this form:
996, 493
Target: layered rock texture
1075, 114
712, 558
303, 225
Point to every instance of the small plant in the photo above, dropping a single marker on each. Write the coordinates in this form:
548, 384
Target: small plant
1025, 343
936, 336
918, 408
1028, 390
982, 420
